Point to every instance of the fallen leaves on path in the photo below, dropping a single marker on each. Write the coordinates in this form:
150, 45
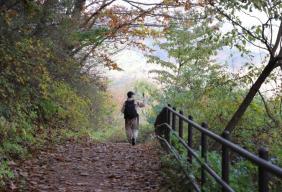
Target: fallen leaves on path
93, 167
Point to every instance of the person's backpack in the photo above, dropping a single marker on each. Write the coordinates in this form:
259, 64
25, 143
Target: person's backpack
130, 110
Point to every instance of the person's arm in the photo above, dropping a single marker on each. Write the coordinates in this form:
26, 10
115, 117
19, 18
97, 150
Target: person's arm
140, 104
122, 109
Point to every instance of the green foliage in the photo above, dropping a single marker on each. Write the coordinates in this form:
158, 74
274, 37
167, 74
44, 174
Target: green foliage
243, 176
5, 174
191, 81
189, 50
177, 145
254, 32
71, 108
146, 132
14, 150
44, 95
91, 36
151, 97
242, 173
112, 133
49, 108
176, 180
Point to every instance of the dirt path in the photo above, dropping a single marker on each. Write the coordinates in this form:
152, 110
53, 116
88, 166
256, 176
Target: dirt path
94, 168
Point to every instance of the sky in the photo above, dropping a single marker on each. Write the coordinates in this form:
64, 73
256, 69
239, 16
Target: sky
134, 65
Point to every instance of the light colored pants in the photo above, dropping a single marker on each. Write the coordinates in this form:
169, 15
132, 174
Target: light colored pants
131, 128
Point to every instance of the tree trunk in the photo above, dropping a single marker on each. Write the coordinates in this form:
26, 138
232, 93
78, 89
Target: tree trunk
47, 9
251, 94
78, 8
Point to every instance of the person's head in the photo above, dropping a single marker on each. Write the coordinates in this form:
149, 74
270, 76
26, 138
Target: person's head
130, 94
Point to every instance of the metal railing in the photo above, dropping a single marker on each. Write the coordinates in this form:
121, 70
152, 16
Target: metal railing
166, 125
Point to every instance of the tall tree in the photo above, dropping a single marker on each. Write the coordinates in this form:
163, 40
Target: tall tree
189, 47
265, 33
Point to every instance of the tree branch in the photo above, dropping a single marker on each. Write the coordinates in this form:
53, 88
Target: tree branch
95, 14
267, 110
114, 31
239, 25
278, 38
264, 38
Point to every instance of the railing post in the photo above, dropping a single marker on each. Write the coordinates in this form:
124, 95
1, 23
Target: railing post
263, 175
167, 134
181, 125
225, 160
167, 131
190, 137
173, 119
168, 114
203, 154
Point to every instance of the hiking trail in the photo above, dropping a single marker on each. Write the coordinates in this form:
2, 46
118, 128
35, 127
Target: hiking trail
93, 167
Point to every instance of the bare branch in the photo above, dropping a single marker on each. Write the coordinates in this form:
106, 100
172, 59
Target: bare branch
278, 39
95, 14
174, 4
264, 38
271, 32
267, 110
239, 25
252, 42
252, 16
114, 31
141, 3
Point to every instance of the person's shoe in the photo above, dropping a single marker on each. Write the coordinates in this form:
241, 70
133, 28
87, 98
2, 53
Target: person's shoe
133, 141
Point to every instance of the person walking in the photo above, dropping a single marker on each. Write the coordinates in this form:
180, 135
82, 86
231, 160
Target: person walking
131, 117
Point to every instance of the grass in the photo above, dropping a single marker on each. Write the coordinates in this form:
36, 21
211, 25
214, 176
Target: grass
113, 134
116, 133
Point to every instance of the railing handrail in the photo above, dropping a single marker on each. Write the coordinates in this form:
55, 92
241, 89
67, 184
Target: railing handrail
206, 166
165, 125
197, 188
274, 169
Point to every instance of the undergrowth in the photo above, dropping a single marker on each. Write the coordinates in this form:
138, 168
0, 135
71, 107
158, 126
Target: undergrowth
243, 174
